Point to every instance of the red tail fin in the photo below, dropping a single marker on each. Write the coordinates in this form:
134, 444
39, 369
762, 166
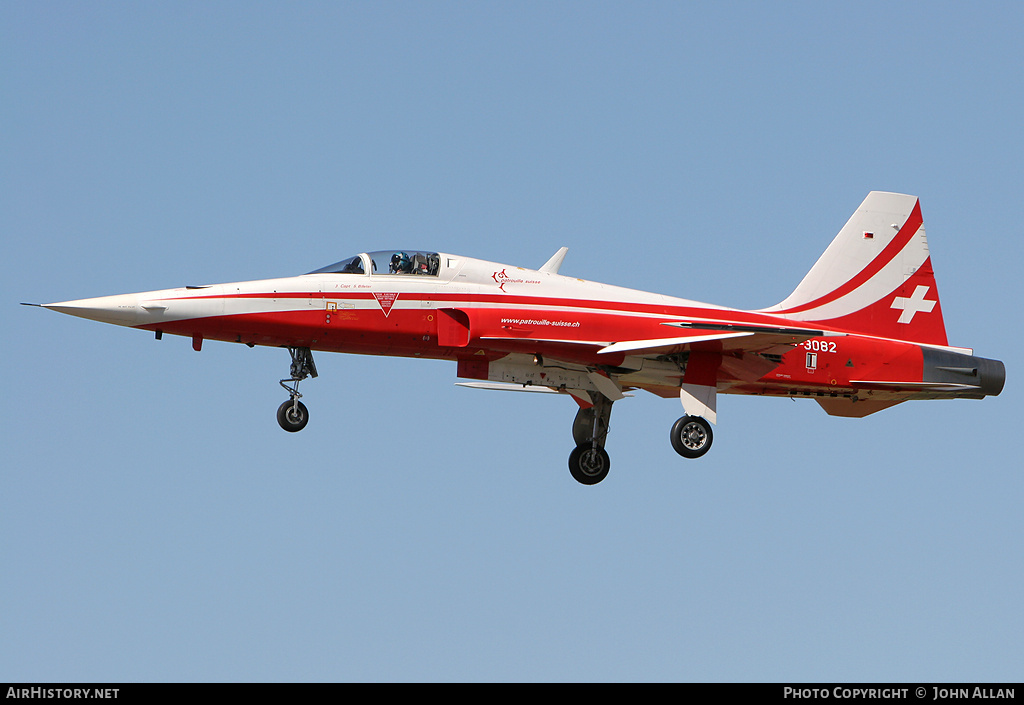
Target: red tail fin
875, 278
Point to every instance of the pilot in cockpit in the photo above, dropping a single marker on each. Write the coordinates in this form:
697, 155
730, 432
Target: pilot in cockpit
400, 263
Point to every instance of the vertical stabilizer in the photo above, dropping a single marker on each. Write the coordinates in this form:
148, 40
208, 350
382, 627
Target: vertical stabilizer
875, 278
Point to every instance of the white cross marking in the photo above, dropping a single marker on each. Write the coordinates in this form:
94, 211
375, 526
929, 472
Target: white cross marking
916, 302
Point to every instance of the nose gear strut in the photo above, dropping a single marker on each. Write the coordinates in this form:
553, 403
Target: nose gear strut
292, 414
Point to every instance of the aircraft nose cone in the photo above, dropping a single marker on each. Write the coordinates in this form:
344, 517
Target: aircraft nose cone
122, 310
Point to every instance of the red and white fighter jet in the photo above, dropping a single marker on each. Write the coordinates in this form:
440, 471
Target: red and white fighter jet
863, 330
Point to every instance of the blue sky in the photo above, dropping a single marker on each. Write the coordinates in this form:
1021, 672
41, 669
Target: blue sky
157, 525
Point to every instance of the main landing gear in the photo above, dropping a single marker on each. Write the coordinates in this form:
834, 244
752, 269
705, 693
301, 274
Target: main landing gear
292, 414
589, 462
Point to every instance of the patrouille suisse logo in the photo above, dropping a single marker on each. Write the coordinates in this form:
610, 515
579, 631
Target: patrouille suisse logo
386, 301
501, 278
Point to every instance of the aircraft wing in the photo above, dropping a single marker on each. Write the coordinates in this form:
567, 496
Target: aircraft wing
743, 337
720, 351
734, 336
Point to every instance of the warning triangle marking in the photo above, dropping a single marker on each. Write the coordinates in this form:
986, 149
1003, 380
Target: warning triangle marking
386, 301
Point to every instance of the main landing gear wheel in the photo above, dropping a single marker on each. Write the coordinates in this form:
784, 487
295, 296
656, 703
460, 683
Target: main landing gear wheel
292, 415
589, 463
691, 436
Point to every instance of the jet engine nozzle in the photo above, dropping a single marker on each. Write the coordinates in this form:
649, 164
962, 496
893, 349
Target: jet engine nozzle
976, 377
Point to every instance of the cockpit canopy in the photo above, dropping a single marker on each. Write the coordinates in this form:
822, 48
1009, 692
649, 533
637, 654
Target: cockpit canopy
387, 262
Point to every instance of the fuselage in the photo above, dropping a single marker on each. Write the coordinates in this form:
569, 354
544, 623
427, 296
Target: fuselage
490, 316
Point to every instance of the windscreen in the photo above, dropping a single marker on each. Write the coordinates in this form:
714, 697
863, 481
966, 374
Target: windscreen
349, 265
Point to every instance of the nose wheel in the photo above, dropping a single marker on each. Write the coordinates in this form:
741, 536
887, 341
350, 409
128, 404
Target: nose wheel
292, 415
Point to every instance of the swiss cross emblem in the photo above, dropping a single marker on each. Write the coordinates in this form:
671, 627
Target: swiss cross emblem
913, 304
386, 301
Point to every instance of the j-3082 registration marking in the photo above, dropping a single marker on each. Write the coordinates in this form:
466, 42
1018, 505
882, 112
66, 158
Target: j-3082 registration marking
814, 345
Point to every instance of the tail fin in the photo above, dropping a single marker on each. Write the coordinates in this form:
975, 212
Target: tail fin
875, 278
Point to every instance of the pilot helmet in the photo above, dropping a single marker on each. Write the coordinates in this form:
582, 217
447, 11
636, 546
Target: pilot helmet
400, 262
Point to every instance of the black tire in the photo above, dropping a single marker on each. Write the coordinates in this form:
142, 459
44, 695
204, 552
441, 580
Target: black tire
589, 464
292, 416
691, 436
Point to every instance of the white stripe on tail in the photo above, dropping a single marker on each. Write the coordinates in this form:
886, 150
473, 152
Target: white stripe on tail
875, 278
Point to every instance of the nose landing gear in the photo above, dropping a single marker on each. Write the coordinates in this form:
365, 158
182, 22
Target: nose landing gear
292, 415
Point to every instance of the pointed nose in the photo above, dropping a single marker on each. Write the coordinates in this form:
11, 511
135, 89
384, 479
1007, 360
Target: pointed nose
122, 310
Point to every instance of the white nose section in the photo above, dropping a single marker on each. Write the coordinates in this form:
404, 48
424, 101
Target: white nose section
122, 310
